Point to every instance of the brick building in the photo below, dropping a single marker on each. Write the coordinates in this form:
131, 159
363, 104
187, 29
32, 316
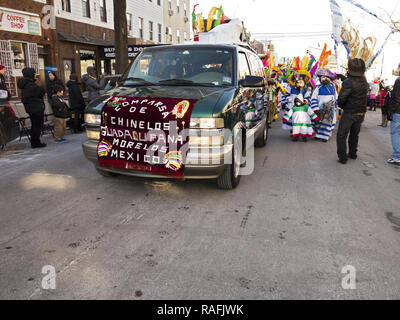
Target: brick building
24, 40
77, 37
85, 29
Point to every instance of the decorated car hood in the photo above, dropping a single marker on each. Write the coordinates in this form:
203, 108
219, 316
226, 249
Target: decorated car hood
210, 101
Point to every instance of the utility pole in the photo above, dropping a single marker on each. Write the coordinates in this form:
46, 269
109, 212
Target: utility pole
121, 36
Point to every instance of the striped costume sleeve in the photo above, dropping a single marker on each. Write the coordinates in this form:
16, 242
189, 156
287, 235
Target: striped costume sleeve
314, 100
285, 98
287, 116
312, 114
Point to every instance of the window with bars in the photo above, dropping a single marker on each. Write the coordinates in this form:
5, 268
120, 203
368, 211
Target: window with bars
86, 8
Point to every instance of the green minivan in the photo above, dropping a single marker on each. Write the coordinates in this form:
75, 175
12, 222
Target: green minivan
228, 118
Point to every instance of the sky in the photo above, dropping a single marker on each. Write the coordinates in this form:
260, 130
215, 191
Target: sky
297, 26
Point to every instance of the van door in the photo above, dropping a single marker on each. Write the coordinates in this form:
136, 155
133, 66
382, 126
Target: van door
246, 95
261, 112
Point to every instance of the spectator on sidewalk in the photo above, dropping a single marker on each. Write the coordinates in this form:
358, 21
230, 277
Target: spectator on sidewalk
394, 116
61, 114
76, 101
32, 97
3, 85
353, 100
52, 82
383, 93
374, 94
92, 84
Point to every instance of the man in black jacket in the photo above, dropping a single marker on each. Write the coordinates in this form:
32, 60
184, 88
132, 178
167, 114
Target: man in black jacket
76, 101
353, 100
32, 98
394, 115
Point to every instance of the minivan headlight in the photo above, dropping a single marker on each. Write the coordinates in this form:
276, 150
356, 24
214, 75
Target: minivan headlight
93, 134
91, 118
206, 123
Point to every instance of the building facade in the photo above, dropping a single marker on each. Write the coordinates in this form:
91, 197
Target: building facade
85, 29
67, 36
177, 21
26, 39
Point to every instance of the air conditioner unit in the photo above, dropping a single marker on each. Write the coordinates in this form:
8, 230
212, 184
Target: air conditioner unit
186, 19
170, 12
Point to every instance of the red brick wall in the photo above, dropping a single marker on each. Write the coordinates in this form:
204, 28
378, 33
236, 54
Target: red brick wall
48, 36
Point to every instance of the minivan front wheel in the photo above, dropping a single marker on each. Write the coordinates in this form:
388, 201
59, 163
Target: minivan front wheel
262, 140
230, 177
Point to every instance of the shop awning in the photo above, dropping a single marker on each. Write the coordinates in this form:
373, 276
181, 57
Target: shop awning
83, 39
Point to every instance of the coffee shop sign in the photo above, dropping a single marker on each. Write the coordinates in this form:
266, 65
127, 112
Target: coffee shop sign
19, 21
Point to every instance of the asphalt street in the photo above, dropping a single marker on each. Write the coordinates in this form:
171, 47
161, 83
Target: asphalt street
286, 232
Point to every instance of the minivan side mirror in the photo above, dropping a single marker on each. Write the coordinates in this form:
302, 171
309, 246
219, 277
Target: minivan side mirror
252, 81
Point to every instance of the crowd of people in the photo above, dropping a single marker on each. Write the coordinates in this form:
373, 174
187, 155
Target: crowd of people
67, 102
312, 110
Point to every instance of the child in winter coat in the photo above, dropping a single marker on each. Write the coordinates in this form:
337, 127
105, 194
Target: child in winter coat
301, 115
61, 114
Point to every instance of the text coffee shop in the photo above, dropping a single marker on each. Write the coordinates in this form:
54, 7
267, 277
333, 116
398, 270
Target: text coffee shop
22, 44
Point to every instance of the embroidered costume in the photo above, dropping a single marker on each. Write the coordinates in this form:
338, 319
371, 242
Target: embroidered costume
324, 102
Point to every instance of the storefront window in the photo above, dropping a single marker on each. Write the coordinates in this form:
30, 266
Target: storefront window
20, 59
88, 59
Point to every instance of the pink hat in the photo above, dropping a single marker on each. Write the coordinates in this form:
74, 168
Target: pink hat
2, 67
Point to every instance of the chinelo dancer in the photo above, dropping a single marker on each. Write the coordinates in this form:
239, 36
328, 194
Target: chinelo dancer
298, 85
324, 102
301, 115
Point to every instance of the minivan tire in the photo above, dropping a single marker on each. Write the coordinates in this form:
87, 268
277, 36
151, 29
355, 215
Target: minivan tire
262, 140
228, 179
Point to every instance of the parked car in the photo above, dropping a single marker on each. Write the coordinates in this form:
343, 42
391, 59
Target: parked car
9, 129
228, 82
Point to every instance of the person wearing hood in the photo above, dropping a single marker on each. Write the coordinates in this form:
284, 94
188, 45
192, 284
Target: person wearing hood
301, 115
52, 82
76, 101
3, 85
32, 98
324, 100
353, 100
92, 84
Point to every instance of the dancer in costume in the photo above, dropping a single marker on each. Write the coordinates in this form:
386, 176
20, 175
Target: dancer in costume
298, 86
324, 102
301, 115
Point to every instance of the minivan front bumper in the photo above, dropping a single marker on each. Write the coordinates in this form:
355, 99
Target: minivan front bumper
202, 162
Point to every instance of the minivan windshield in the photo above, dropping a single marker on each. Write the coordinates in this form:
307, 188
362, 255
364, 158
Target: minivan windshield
171, 66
